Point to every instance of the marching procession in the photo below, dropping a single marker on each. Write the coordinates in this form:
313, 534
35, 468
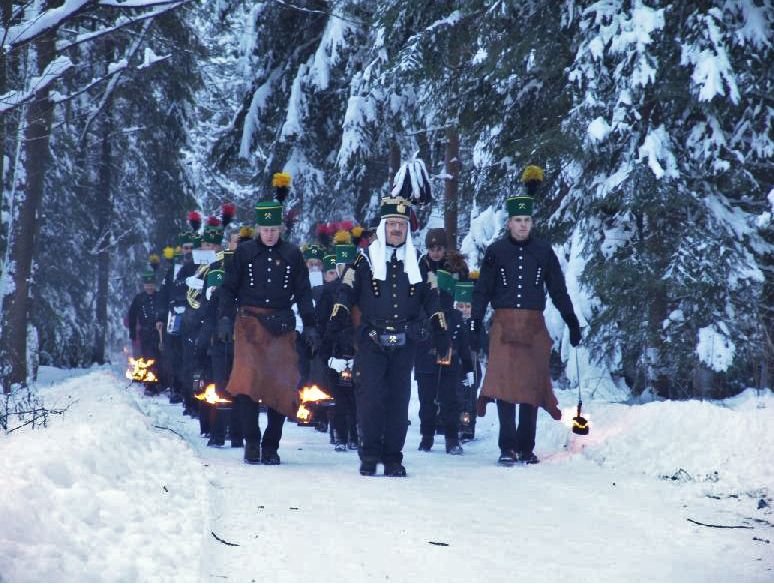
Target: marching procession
328, 333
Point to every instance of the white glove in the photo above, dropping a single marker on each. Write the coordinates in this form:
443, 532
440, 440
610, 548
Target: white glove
194, 283
469, 380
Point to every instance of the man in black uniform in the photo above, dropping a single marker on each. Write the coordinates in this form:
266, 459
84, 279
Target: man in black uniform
171, 304
266, 276
515, 274
387, 286
142, 320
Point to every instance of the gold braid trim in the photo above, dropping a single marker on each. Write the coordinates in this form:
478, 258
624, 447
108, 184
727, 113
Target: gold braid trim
336, 307
441, 319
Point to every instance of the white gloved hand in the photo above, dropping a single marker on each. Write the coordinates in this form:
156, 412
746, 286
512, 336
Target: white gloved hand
469, 380
194, 283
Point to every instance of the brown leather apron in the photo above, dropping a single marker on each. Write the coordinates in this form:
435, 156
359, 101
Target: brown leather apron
265, 366
519, 352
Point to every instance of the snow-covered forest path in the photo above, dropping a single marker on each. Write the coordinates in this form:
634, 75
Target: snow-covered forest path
110, 471
463, 518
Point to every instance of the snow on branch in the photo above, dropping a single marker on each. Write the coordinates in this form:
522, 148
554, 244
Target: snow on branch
50, 19
115, 69
52, 72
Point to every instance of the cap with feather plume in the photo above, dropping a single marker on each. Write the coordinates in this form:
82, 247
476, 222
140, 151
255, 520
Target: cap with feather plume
227, 214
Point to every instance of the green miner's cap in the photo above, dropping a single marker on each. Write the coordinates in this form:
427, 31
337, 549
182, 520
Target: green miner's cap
313, 252
446, 281
214, 278
268, 213
519, 206
185, 237
345, 253
149, 277
329, 262
213, 231
196, 239
395, 207
463, 292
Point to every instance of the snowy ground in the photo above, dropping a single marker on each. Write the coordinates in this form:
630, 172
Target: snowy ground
122, 488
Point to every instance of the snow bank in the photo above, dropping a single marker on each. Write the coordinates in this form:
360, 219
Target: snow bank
100, 494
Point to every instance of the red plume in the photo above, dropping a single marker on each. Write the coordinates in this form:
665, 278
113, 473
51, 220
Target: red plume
228, 212
345, 225
213, 221
194, 220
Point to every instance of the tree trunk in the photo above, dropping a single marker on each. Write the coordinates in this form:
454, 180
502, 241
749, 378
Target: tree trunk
451, 185
104, 214
5, 17
16, 304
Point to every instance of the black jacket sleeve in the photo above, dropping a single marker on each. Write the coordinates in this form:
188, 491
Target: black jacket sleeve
229, 289
484, 287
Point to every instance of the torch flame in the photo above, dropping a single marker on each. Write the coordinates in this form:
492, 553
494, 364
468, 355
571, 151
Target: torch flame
303, 414
313, 394
210, 395
140, 370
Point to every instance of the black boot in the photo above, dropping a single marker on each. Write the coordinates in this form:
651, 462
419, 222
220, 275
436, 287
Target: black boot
394, 469
253, 452
270, 457
453, 446
507, 458
528, 458
426, 443
367, 468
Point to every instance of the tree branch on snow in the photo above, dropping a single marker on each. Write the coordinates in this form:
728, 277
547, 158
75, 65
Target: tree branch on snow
52, 72
29, 31
719, 526
123, 24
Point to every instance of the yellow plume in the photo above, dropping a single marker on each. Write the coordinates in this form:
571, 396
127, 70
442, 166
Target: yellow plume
154, 259
356, 231
168, 252
246, 232
531, 173
342, 237
473, 275
280, 179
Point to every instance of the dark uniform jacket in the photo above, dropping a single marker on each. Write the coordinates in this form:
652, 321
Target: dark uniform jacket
267, 277
142, 312
425, 361
393, 302
516, 274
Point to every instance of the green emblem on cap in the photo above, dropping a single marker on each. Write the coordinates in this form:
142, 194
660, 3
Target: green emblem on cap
268, 214
213, 234
329, 262
313, 252
520, 206
345, 253
463, 292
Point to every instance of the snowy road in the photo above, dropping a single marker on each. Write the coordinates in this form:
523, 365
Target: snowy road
594, 513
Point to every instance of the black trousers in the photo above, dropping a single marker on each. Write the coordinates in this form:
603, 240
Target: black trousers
383, 390
222, 358
247, 411
438, 399
173, 361
345, 412
521, 439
